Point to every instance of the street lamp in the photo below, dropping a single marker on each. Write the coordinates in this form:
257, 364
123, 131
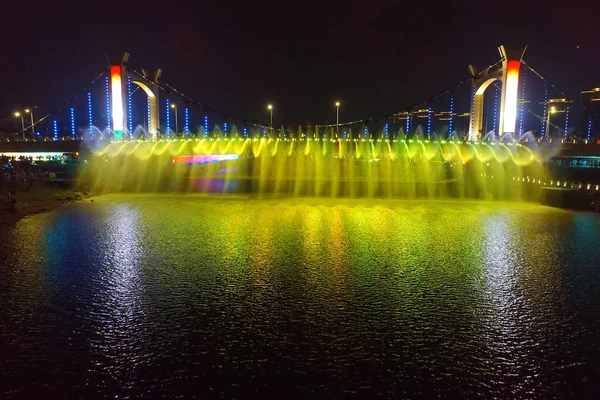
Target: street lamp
270, 108
174, 107
337, 118
551, 110
17, 115
30, 112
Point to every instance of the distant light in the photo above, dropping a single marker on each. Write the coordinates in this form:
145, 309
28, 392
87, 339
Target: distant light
204, 159
27, 110
73, 122
337, 103
117, 101
90, 120
17, 114
129, 105
187, 121
270, 106
107, 102
168, 119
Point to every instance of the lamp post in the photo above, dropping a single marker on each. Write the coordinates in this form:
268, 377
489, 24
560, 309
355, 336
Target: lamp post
174, 107
337, 117
551, 110
270, 108
30, 112
18, 114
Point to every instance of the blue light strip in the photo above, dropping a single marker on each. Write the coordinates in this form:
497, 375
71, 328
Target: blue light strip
206, 126
545, 112
428, 123
566, 121
73, 122
187, 121
168, 119
245, 132
589, 130
408, 115
451, 118
495, 120
129, 106
522, 108
107, 102
366, 133
472, 116
387, 127
148, 108
225, 126
90, 119
55, 127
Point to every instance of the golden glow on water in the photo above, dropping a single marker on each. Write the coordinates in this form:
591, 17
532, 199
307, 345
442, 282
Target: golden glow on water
354, 293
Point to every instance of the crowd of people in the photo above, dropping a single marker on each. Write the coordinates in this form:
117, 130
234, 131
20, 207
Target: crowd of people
18, 174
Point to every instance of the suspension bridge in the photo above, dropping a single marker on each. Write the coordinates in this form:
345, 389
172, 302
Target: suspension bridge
507, 101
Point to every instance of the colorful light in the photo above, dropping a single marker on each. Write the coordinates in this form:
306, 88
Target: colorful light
522, 108
589, 129
450, 121
245, 132
428, 122
149, 117
55, 127
73, 122
107, 102
168, 119
206, 126
90, 120
387, 127
495, 121
117, 101
225, 126
366, 133
545, 112
566, 121
187, 121
204, 159
129, 106
408, 116
511, 96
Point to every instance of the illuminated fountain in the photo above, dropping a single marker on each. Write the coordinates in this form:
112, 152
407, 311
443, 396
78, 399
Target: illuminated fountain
322, 163
311, 165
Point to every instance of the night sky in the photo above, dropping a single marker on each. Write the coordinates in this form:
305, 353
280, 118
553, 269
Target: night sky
376, 57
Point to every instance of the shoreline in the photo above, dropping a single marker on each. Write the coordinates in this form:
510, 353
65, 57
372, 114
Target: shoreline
37, 199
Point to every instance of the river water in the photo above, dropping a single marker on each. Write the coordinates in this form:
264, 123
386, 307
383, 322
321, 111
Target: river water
208, 297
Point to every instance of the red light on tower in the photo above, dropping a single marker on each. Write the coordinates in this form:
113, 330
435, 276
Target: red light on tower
116, 89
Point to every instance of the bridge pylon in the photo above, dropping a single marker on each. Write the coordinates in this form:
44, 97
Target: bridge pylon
507, 73
119, 73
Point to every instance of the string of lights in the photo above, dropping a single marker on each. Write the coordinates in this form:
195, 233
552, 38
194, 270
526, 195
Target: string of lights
65, 104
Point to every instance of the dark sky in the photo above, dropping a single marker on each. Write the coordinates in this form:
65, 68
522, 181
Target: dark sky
375, 56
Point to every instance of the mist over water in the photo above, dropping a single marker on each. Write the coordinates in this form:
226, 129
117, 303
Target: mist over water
329, 167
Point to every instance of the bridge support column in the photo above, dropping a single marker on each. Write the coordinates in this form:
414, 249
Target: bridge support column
148, 83
508, 75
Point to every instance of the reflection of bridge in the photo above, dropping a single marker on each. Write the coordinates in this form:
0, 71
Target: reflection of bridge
491, 104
